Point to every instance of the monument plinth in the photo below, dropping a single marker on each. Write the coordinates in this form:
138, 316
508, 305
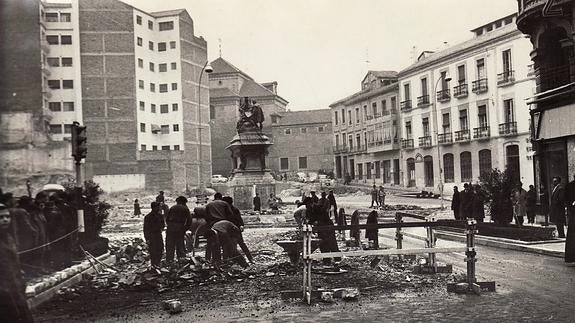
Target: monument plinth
249, 149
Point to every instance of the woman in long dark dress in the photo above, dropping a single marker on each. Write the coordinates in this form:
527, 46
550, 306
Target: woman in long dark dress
372, 234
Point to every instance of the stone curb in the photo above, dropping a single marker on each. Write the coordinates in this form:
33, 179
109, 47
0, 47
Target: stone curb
44, 291
494, 242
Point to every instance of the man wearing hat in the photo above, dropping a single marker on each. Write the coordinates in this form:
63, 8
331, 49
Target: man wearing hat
177, 221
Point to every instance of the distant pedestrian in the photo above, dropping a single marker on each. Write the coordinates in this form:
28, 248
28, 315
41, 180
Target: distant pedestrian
381, 196
531, 204
257, 203
160, 198
153, 227
478, 203
347, 179
341, 220
137, 210
177, 221
355, 232
372, 234
456, 203
466, 202
557, 207
273, 203
519, 204
374, 196
570, 241
332, 206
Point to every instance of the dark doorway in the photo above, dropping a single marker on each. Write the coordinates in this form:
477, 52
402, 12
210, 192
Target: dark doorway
410, 172
428, 171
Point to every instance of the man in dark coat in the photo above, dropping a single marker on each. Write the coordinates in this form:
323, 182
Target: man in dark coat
257, 203
218, 210
318, 215
153, 226
557, 207
236, 218
478, 200
313, 197
372, 234
456, 203
570, 242
13, 305
225, 235
466, 202
531, 204
374, 196
177, 221
332, 205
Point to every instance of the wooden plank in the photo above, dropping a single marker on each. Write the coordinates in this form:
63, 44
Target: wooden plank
392, 225
384, 252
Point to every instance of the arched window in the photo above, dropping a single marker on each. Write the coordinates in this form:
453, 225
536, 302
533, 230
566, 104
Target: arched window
466, 166
484, 162
448, 171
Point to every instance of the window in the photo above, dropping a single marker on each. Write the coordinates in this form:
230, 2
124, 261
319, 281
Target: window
166, 25
406, 92
154, 147
284, 163
53, 61
302, 162
174, 107
393, 102
176, 127
140, 63
508, 111
336, 118
448, 171
55, 128
152, 67
163, 88
173, 66
174, 86
444, 82
141, 84
176, 147
365, 111
465, 163
65, 17
482, 116
153, 108
139, 41
446, 123
55, 106
425, 126
408, 130
481, 69
513, 163
172, 44
67, 84
67, 61
52, 40
164, 108
303, 130
161, 47
54, 84
165, 129
51, 16
461, 74
165, 147
349, 116
320, 129
484, 162
143, 147
287, 131
507, 61
463, 123
142, 106
374, 108
67, 128
213, 113
66, 40
342, 116
150, 25
356, 115
163, 67
151, 45
424, 91
139, 22
383, 106
142, 127
152, 87
68, 106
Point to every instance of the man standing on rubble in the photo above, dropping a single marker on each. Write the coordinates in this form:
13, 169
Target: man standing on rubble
177, 221
153, 226
319, 216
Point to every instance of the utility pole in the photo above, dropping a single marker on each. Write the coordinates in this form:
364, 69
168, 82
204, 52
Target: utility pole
79, 150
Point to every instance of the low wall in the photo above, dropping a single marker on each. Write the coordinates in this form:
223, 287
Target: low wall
117, 183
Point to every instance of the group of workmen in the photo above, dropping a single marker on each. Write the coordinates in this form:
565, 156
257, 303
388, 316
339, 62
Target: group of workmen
220, 222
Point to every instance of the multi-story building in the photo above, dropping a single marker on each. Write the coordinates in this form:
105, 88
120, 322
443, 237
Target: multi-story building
550, 26
366, 131
463, 110
228, 86
302, 142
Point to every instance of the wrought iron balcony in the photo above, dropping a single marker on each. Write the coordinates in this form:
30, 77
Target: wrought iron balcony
479, 86
462, 135
387, 141
405, 105
385, 112
423, 100
460, 91
508, 128
443, 95
425, 141
406, 143
445, 138
505, 78
393, 110
340, 149
481, 132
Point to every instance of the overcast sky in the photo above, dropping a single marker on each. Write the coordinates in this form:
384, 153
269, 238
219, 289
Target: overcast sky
317, 49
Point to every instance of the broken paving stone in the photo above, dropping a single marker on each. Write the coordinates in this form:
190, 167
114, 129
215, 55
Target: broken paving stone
270, 274
327, 297
348, 294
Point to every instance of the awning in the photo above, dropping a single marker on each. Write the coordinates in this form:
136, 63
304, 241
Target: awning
156, 128
557, 122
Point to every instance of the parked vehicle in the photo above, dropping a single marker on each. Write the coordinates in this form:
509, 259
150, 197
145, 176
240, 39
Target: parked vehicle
216, 178
312, 177
301, 177
324, 180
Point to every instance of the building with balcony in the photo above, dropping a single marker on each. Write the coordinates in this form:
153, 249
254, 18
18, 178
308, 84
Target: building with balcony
470, 114
550, 26
302, 142
365, 131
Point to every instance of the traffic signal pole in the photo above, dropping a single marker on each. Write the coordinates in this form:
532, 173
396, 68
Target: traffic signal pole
79, 151
79, 201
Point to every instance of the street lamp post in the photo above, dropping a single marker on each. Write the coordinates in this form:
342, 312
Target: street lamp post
445, 78
208, 69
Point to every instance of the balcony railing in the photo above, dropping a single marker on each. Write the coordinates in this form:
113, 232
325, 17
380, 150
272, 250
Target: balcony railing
340, 149
460, 91
508, 128
506, 78
462, 135
405, 105
422, 100
481, 132
387, 141
377, 115
552, 77
406, 143
445, 138
368, 117
479, 86
386, 112
393, 110
425, 141
443, 95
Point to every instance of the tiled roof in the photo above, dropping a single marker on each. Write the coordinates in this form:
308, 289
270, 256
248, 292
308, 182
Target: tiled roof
167, 13
384, 73
365, 94
252, 89
222, 93
220, 65
304, 117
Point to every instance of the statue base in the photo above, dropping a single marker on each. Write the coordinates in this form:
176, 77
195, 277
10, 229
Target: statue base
244, 185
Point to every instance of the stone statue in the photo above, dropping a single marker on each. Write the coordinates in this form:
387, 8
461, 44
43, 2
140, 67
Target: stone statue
251, 116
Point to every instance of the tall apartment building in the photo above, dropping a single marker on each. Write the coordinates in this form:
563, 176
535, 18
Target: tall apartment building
463, 110
550, 27
366, 131
132, 78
